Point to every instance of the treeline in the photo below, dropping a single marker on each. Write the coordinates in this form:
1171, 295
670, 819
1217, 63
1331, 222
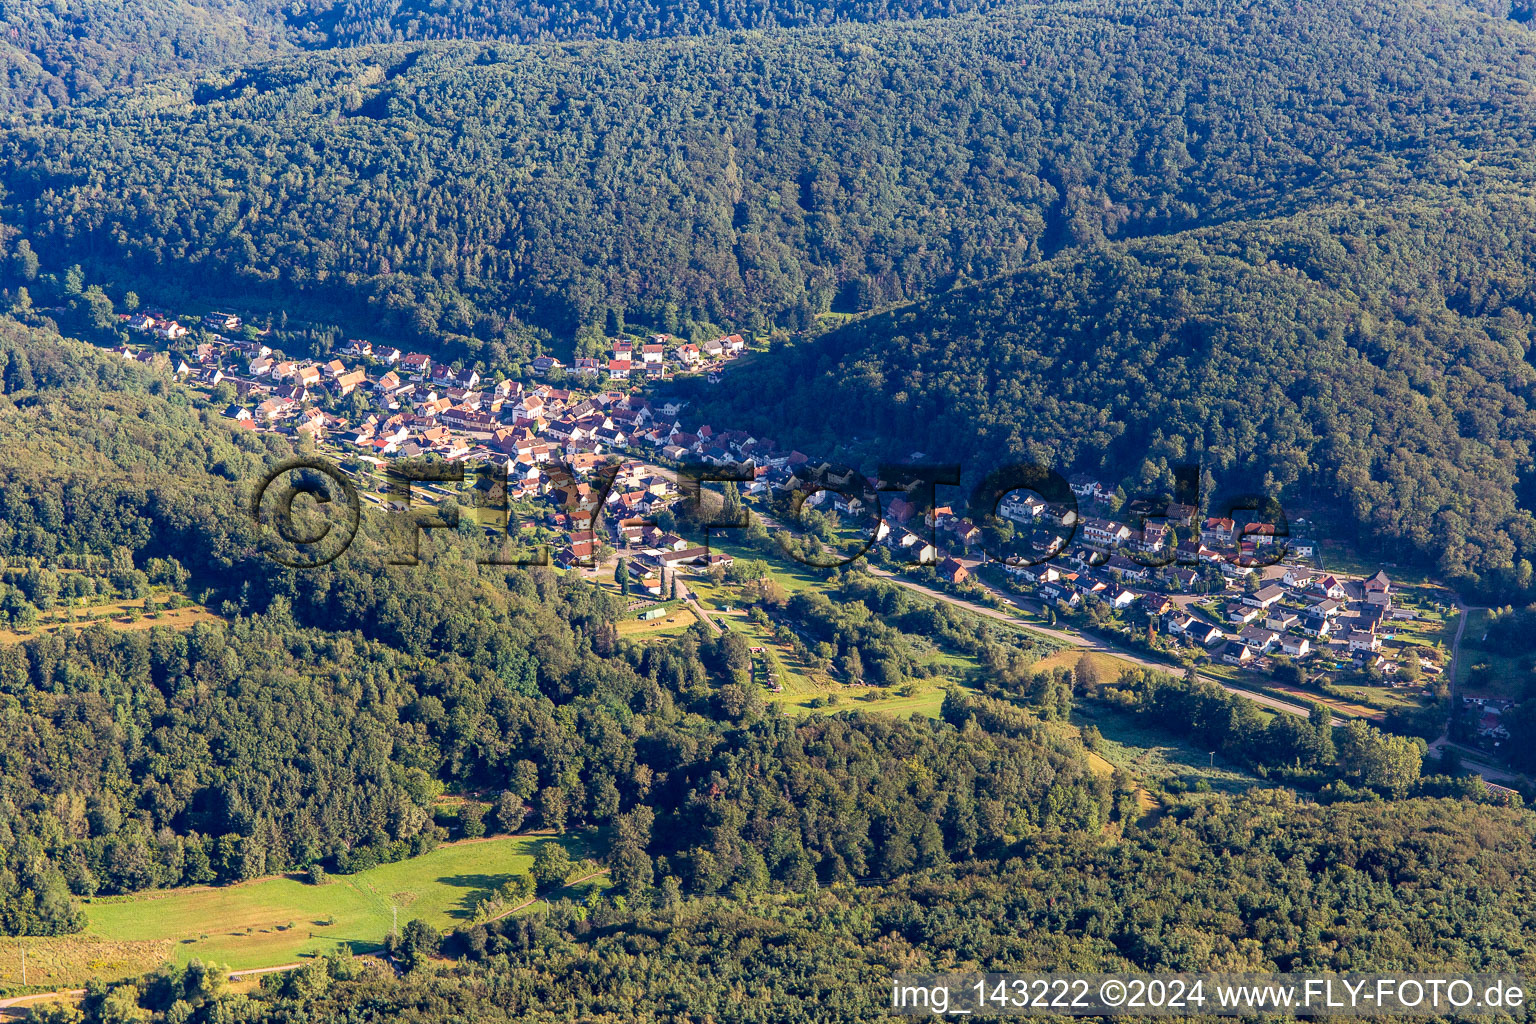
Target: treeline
359, 22
1369, 364
1310, 752
54, 54
484, 200
147, 759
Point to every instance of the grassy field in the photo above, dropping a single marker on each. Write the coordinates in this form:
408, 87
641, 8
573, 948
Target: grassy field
76, 959
1384, 698
1484, 673
786, 572
1337, 557
674, 622
1155, 757
115, 614
1109, 666
271, 921
1101, 765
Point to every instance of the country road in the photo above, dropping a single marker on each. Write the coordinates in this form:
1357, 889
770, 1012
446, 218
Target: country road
1488, 772
1468, 756
1073, 639
1091, 643
22, 1002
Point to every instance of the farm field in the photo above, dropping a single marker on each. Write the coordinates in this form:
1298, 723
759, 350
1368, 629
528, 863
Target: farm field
271, 921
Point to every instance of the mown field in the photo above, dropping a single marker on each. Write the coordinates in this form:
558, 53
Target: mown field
674, 623
272, 921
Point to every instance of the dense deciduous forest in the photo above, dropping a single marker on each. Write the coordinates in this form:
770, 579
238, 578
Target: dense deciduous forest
1376, 354
1253, 883
321, 721
469, 196
60, 53
1289, 242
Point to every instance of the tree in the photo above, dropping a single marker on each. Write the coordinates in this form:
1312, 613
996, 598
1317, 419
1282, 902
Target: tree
1373, 758
732, 510
509, 813
525, 779
24, 261
417, 943
121, 1006
551, 865
1320, 718
551, 806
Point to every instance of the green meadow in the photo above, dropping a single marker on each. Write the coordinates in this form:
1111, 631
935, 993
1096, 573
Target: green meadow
271, 921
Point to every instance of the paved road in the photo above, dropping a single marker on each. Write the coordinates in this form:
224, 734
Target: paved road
1490, 773
693, 603
1469, 757
1093, 643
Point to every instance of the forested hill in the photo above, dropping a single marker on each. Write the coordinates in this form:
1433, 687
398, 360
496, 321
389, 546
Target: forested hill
1374, 353
450, 193
55, 54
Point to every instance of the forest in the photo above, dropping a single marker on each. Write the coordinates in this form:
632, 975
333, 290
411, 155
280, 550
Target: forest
488, 200
1290, 242
1377, 356
56, 54
1292, 247
1258, 882
320, 720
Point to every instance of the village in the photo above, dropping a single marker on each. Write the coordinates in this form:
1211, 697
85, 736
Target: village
1207, 591
566, 440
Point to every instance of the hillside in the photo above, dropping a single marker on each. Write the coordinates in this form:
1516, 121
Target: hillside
53, 55
483, 199
1375, 354
321, 721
